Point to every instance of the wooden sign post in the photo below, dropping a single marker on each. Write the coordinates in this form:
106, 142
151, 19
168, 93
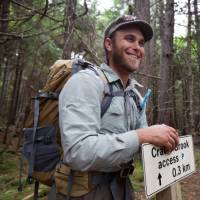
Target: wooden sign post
170, 193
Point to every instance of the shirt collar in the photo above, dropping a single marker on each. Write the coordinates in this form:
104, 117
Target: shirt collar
112, 76
134, 83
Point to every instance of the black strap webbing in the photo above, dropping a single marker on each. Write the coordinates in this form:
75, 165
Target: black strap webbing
70, 183
47, 95
36, 188
35, 124
105, 104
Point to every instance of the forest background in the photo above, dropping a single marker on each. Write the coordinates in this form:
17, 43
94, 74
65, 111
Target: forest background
36, 33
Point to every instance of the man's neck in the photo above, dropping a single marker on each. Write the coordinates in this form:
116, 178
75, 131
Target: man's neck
123, 75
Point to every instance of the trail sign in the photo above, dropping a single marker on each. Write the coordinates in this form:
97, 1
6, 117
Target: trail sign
162, 170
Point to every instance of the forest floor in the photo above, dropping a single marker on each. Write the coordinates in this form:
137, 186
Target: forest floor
9, 172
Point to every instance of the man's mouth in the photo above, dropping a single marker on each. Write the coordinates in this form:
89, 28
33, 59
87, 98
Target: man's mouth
133, 56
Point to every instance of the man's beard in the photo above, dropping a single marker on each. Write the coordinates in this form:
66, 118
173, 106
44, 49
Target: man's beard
120, 61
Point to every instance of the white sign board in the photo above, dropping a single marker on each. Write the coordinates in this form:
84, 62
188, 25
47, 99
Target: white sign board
162, 170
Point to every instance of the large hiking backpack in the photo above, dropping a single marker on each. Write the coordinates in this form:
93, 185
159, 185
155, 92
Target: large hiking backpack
42, 148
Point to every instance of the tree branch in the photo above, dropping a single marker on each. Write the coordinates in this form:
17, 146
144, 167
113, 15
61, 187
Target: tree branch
86, 10
148, 75
22, 36
89, 50
35, 11
45, 9
16, 19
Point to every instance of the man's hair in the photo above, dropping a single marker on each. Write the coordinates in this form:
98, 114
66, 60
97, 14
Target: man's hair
112, 37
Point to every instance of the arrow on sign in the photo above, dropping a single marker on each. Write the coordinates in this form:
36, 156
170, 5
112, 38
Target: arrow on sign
159, 178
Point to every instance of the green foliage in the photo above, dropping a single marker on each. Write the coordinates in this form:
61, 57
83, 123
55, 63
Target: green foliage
109, 15
9, 178
138, 178
180, 46
5, 162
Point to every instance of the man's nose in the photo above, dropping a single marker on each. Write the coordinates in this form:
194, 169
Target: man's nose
136, 45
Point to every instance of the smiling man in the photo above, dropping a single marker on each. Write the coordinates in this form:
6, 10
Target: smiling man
125, 51
99, 148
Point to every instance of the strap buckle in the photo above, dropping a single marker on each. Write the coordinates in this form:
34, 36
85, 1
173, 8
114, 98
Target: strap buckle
47, 140
29, 180
126, 171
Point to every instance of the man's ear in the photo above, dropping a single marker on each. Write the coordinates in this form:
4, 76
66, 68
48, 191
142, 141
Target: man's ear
108, 44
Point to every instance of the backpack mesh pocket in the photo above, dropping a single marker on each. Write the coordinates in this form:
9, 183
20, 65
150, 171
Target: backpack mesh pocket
41, 150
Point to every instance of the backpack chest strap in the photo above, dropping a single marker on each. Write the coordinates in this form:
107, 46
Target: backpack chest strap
105, 104
47, 95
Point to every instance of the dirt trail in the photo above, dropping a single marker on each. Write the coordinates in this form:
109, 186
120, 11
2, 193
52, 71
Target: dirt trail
191, 187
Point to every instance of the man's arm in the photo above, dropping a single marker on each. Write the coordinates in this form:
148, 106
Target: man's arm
85, 148
159, 135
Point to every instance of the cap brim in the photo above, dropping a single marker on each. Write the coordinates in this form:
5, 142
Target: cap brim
143, 26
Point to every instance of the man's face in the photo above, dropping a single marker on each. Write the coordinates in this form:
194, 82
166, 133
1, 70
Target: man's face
126, 50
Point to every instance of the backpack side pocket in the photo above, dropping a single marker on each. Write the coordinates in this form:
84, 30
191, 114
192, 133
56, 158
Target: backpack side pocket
42, 153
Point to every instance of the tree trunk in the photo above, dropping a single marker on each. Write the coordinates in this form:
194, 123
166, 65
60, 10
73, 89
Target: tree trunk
70, 17
4, 72
15, 93
197, 37
16, 87
4, 87
142, 11
188, 81
154, 69
165, 114
4, 13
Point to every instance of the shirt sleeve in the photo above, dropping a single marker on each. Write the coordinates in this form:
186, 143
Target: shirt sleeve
85, 148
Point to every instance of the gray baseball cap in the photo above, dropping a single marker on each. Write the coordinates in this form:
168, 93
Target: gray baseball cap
133, 21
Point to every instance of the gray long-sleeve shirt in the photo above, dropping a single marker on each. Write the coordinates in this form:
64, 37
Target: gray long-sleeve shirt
89, 141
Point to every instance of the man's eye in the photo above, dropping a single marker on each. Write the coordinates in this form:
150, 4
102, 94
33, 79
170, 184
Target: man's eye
129, 39
142, 43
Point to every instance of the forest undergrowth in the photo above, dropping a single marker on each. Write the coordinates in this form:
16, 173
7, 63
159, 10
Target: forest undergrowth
9, 178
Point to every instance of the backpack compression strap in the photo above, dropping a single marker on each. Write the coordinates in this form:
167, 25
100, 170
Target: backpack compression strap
46, 95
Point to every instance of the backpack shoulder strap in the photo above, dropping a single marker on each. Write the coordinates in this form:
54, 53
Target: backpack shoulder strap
80, 64
108, 90
108, 95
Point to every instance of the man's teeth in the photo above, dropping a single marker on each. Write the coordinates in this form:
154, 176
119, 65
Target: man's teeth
133, 56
